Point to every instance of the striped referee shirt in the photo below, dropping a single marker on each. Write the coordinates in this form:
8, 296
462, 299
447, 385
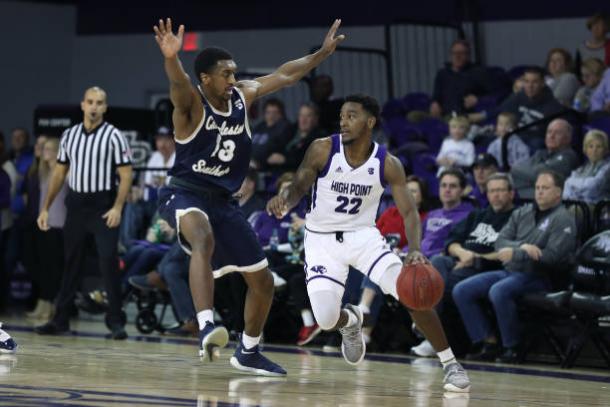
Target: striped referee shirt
93, 157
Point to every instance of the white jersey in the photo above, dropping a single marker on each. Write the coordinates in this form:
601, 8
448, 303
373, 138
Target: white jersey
345, 198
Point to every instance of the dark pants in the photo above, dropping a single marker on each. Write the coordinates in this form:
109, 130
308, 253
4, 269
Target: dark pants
174, 269
79, 224
44, 260
445, 266
142, 258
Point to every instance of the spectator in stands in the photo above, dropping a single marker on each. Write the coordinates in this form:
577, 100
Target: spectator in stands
533, 103
250, 203
271, 135
484, 166
600, 100
591, 181
537, 241
163, 157
390, 223
272, 231
439, 222
172, 275
321, 90
306, 132
592, 70
562, 82
470, 246
597, 46
458, 86
517, 150
46, 250
557, 156
22, 155
456, 150
6, 223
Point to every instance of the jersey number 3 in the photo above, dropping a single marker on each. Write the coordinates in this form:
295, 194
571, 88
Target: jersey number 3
226, 152
345, 201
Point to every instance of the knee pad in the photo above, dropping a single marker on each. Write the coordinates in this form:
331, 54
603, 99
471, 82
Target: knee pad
326, 307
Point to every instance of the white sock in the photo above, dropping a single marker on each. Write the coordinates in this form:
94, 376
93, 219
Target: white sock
446, 357
307, 317
364, 308
4, 336
250, 341
352, 319
207, 315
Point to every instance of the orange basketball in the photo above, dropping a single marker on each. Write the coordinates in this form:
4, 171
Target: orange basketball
420, 286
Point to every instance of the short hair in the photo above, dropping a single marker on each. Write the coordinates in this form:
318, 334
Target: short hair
558, 179
511, 117
595, 18
460, 41
311, 106
207, 59
596, 135
277, 103
594, 65
96, 89
456, 172
369, 104
567, 58
460, 121
536, 70
501, 176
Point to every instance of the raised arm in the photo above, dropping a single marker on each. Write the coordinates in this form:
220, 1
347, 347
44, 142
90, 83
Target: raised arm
290, 72
396, 178
314, 161
188, 108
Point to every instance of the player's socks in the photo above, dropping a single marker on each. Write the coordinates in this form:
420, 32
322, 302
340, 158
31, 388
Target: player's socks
205, 316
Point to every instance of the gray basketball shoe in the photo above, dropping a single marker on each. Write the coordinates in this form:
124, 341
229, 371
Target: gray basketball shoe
456, 379
353, 347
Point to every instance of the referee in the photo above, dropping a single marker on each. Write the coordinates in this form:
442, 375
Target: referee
91, 152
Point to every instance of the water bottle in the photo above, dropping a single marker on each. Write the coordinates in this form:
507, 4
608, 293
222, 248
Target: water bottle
274, 240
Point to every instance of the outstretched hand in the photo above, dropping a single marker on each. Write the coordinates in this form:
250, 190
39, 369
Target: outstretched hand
169, 43
331, 41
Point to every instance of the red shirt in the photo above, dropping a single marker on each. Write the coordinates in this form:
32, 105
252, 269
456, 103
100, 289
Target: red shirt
390, 221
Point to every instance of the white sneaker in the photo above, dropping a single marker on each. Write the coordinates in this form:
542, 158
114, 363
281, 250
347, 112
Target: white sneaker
424, 349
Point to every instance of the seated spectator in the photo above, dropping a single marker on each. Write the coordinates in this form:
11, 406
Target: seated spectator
470, 245
321, 89
271, 135
307, 131
562, 82
391, 223
47, 248
22, 155
517, 150
597, 46
557, 156
439, 222
592, 70
484, 166
250, 203
533, 103
456, 150
458, 86
538, 240
600, 99
163, 157
591, 181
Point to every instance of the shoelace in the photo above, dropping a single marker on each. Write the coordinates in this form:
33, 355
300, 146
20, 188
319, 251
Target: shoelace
352, 333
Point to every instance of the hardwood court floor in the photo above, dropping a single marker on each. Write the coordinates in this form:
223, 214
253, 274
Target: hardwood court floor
87, 370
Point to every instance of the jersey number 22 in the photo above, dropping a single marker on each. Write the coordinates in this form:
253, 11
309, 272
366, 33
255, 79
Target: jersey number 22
344, 202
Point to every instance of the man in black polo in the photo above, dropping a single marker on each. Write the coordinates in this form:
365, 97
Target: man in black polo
92, 152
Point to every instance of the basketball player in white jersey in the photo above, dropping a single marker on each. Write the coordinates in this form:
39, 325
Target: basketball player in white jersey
349, 172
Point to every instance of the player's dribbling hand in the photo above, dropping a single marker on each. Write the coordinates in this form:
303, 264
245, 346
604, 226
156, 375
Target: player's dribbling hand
331, 42
277, 207
169, 43
415, 256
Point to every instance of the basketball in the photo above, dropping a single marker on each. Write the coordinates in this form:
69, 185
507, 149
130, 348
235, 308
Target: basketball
420, 286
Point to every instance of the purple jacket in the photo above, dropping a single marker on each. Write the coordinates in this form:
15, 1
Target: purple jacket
437, 225
265, 223
601, 95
